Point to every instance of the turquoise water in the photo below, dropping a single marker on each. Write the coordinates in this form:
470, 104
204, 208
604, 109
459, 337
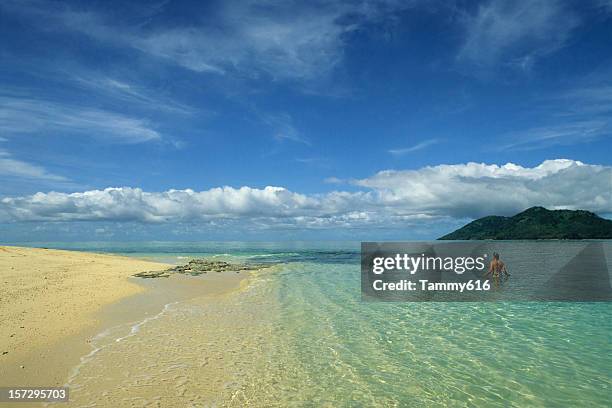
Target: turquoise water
442, 354
310, 340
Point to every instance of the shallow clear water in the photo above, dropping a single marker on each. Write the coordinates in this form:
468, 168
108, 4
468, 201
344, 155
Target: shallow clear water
300, 335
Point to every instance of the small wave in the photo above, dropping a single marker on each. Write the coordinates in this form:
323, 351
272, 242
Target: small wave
134, 329
280, 255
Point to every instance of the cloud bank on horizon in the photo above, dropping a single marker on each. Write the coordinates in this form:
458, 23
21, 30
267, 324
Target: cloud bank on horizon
391, 198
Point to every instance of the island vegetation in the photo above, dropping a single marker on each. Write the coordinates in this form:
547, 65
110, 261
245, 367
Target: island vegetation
536, 223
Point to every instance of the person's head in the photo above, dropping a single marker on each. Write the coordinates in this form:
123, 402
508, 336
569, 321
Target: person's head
496, 256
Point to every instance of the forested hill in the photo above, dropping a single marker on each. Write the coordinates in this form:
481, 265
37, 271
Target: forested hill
536, 223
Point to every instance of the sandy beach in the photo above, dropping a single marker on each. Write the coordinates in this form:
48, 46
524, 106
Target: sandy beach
293, 334
52, 303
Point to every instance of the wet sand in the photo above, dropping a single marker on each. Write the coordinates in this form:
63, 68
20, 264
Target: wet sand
53, 303
209, 350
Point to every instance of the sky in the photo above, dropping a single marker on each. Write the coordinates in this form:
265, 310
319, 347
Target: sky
285, 120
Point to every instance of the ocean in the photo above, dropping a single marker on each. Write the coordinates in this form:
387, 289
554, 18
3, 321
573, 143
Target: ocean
300, 335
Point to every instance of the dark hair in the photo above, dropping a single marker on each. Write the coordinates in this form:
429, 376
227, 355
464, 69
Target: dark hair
495, 255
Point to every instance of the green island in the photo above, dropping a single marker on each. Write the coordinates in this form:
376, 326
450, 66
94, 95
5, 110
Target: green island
536, 223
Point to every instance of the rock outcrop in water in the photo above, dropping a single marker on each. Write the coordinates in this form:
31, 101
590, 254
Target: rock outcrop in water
197, 267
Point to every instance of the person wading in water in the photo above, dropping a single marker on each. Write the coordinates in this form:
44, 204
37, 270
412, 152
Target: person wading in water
496, 268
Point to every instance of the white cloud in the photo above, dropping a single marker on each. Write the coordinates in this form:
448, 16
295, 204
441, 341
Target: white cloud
11, 167
578, 115
390, 199
333, 180
23, 115
300, 45
606, 4
476, 189
134, 204
590, 100
419, 146
516, 32
128, 92
283, 128
281, 39
565, 134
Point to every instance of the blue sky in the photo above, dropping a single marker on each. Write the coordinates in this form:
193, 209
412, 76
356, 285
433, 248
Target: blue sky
365, 119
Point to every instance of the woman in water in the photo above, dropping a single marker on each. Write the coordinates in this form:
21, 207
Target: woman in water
496, 268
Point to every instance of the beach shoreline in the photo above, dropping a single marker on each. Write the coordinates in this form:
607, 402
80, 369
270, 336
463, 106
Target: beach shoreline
54, 302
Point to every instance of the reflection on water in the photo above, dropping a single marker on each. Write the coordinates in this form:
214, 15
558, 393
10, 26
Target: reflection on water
302, 336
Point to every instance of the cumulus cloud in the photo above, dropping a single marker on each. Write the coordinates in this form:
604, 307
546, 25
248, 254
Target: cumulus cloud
475, 189
388, 198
